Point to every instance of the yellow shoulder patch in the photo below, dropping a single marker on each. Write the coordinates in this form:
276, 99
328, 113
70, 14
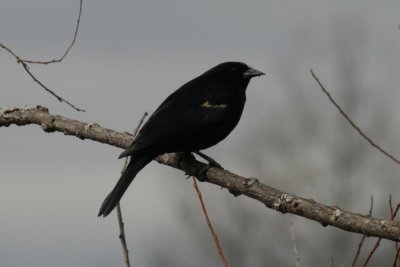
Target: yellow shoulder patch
209, 105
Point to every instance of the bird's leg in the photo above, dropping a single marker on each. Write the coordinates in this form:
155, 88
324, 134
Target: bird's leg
185, 156
211, 162
188, 157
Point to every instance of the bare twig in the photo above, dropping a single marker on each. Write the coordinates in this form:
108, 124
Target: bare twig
135, 132
45, 62
369, 140
378, 242
395, 211
272, 198
59, 98
396, 244
119, 212
293, 236
121, 226
25, 63
364, 236
122, 236
391, 206
213, 233
396, 258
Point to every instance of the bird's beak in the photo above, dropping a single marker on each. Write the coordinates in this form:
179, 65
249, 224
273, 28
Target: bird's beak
252, 73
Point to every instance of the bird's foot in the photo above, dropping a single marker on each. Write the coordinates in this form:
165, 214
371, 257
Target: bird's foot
202, 173
211, 161
185, 157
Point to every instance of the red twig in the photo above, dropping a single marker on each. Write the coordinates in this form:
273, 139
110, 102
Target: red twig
378, 242
396, 244
369, 140
395, 212
213, 233
364, 236
396, 258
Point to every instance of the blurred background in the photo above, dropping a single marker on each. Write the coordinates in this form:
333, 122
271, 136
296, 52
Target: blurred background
128, 57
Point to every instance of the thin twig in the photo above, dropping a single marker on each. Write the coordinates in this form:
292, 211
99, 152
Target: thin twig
390, 205
119, 212
396, 258
121, 226
378, 242
25, 62
45, 62
396, 244
293, 236
122, 236
213, 233
364, 236
11, 52
369, 140
59, 98
135, 132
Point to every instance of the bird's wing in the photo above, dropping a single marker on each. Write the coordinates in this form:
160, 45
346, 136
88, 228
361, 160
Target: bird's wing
156, 130
184, 113
204, 117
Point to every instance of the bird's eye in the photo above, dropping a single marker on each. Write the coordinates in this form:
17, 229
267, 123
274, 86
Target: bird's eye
233, 69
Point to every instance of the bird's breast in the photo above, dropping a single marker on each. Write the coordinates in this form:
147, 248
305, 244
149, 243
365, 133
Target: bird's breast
214, 123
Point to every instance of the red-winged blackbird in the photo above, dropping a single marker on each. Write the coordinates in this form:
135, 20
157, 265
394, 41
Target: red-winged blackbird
198, 115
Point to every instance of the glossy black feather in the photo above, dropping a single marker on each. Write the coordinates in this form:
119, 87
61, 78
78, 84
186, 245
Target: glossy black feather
198, 115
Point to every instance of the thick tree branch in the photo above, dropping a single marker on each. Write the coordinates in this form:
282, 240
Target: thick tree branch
237, 185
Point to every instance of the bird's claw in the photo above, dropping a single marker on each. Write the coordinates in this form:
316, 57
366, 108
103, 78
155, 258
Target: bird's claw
184, 156
211, 161
214, 164
202, 173
234, 193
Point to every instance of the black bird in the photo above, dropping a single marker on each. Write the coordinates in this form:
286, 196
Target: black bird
198, 115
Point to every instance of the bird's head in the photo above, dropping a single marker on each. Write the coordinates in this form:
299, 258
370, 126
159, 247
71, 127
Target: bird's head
235, 70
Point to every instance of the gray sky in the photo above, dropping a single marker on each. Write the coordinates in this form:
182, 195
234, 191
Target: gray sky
128, 57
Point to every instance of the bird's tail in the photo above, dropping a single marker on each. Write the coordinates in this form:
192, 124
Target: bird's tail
134, 166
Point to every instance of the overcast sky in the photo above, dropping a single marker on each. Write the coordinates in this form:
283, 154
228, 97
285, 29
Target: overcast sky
130, 55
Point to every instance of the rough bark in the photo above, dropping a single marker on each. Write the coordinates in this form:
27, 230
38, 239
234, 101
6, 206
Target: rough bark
237, 185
